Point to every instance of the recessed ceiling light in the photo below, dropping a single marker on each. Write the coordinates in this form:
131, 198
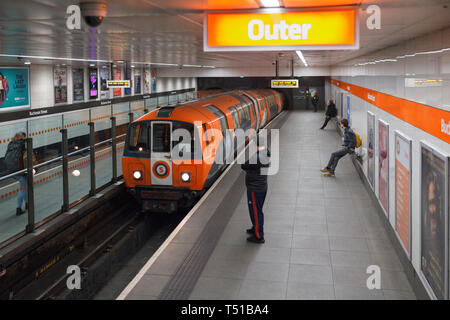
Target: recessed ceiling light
300, 55
133, 66
92, 65
27, 62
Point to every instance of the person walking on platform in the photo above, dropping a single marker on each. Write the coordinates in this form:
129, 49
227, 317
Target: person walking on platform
330, 113
348, 147
315, 101
256, 182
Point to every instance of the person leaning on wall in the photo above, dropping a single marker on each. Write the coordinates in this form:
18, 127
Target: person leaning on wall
330, 113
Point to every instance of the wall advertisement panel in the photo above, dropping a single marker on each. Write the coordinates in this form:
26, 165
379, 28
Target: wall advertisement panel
403, 165
137, 81
348, 111
117, 92
78, 84
127, 91
383, 165
153, 76
14, 88
147, 81
104, 77
371, 149
93, 83
434, 220
60, 84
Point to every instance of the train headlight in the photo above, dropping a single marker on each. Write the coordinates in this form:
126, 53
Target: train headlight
185, 176
137, 175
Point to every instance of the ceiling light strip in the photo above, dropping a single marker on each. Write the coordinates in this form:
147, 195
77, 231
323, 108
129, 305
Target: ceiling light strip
300, 55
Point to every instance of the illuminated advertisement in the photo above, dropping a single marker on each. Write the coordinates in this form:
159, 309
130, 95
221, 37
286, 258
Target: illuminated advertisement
78, 84
371, 149
403, 191
93, 83
290, 83
275, 30
127, 91
348, 110
104, 77
383, 165
153, 76
147, 80
434, 220
60, 84
14, 88
137, 81
117, 92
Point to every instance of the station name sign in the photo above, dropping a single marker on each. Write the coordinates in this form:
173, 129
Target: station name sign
282, 29
291, 83
118, 84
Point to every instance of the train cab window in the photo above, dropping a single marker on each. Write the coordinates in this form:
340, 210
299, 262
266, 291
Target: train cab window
186, 140
205, 134
138, 140
161, 137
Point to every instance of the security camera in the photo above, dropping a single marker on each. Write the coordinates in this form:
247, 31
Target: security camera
93, 12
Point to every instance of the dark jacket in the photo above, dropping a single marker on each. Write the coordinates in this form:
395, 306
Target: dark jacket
349, 139
254, 179
331, 110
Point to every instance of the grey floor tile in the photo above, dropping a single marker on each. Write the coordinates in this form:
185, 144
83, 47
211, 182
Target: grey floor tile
356, 293
216, 289
380, 246
310, 242
305, 218
311, 229
346, 229
308, 256
350, 259
399, 295
389, 261
348, 244
394, 280
270, 271
307, 291
267, 254
220, 268
262, 290
277, 240
311, 274
350, 276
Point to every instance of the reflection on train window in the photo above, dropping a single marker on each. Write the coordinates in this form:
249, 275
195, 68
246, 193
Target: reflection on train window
138, 137
186, 127
235, 116
220, 115
161, 137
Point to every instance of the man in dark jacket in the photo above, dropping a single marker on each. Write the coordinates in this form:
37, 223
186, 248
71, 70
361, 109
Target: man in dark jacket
330, 113
347, 147
256, 182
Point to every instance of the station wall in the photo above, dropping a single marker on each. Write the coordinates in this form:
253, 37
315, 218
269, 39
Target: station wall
42, 88
422, 82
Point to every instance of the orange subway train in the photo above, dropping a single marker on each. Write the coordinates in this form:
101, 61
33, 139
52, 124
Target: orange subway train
175, 153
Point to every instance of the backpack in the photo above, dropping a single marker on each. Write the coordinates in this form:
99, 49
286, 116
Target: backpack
358, 140
14, 155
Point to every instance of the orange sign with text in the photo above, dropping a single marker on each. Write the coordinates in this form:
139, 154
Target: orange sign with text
322, 29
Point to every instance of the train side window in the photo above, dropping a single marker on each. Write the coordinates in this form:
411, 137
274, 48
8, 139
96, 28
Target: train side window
138, 137
205, 134
235, 116
220, 115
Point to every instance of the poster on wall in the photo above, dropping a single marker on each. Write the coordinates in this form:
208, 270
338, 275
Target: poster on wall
137, 81
348, 110
153, 76
60, 84
14, 88
147, 81
93, 83
383, 165
104, 77
78, 84
371, 149
434, 228
403, 166
127, 91
117, 92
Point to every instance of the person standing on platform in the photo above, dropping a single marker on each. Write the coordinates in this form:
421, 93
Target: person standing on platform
330, 113
315, 101
256, 182
348, 147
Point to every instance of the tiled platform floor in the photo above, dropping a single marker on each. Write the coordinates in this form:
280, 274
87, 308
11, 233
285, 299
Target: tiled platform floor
321, 233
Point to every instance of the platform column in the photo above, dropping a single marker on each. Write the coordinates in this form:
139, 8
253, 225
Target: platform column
114, 149
92, 156
30, 187
65, 170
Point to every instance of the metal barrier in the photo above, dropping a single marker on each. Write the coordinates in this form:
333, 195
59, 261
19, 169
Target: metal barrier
69, 157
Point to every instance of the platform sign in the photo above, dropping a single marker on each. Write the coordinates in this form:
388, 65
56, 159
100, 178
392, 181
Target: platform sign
434, 220
118, 83
282, 29
286, 83
403, 165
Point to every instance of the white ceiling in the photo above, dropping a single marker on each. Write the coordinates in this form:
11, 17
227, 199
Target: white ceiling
171, 31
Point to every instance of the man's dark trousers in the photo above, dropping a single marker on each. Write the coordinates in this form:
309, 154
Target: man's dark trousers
255, 206
336, 156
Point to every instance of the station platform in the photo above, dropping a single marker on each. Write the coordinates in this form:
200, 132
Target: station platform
321, 233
